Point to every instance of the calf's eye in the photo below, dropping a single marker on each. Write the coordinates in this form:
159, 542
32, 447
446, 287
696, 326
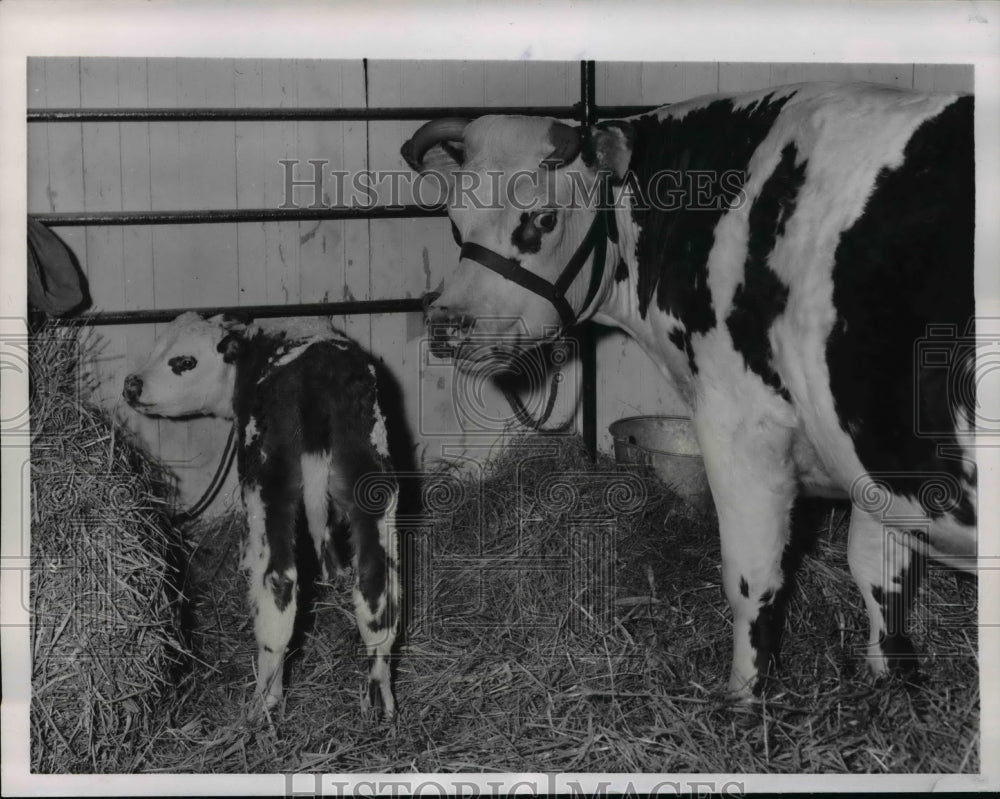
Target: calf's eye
182, 363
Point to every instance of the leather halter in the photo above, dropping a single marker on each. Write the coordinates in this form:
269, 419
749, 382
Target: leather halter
601, 230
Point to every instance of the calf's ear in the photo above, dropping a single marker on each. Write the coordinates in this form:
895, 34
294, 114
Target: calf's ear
607, 147
231, 346
228, 321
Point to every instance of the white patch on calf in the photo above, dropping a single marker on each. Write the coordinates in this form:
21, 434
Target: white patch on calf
250, 431
316, 470
272, 626
288, 353
378, 629
379, 436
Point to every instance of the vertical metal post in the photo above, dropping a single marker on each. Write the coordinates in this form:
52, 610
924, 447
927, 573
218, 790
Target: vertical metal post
585, 336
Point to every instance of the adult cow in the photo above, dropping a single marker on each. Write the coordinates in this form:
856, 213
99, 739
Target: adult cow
786, 257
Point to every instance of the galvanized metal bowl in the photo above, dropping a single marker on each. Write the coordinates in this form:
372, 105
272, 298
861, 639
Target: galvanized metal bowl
668, 444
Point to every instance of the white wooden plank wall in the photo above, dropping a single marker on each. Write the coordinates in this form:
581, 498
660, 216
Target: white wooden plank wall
183, 166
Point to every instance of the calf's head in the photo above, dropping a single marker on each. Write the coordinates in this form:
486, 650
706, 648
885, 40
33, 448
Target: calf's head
524, 197
191, 370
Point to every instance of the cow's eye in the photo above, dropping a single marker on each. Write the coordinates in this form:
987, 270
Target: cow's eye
546, 220
182, 363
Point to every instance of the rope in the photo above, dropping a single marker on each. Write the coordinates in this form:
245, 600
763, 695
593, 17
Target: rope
226, 462
523, 415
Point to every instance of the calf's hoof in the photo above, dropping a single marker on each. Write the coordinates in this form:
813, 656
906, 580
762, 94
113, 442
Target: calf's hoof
378, 700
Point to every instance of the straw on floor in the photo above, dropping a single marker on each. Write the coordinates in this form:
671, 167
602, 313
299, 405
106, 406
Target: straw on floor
568, 616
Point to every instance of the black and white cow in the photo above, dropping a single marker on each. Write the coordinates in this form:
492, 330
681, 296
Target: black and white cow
787, 257
313, 442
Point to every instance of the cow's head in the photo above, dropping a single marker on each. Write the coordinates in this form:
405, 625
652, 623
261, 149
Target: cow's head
524, 195
191, 370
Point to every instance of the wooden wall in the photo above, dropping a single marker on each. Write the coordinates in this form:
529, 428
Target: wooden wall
181, 166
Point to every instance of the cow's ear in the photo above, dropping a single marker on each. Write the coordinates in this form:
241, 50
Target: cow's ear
231, 346
608, 147
443, 158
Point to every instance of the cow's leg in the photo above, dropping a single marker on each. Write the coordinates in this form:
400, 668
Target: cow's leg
749, 467
376, 591
888, 574
273, 579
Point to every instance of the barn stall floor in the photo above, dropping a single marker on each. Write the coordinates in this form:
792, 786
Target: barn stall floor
509, 674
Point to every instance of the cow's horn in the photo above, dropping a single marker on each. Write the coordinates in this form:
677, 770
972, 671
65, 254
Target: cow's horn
567, 142
434, 132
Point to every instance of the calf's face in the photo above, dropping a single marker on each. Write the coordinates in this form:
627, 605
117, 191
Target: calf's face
190, 371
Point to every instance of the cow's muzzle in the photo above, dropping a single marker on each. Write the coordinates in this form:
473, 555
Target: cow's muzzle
132, 389
448, 330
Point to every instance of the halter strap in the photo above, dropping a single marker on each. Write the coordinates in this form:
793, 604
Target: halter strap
596, 242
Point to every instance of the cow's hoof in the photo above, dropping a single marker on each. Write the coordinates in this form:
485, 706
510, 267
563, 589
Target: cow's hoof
263, 705
743, 690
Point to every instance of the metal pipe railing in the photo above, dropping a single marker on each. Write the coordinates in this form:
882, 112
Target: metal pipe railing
289, 114
224, 215
587, 112
586, 337
347, 307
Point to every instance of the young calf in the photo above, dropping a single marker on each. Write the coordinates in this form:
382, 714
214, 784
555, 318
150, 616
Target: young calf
312, 441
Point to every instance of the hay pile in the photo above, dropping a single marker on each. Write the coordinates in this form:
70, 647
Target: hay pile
102, 574
590, 669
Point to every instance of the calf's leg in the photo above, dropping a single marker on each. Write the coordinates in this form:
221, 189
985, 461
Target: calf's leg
376, 582
273, 578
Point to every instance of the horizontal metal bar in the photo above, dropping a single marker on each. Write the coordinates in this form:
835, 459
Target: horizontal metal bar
346, 308
95, 218
286, 114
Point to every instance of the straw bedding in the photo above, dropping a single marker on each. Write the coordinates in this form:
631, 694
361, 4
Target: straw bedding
103, 568
597, 669
562, 616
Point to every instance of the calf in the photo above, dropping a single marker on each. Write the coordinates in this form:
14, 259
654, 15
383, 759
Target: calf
312, 442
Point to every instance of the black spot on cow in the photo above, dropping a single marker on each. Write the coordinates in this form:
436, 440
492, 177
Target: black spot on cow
765, 638
621, 271
878, 594
180, 364
674, 243
894, 640
904, 265
282, 588
677, 338
762, 296
766, 630
527, 236
744, 586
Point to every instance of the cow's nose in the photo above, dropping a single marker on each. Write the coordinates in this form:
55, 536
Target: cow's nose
446, 321
448, 329
133, 388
